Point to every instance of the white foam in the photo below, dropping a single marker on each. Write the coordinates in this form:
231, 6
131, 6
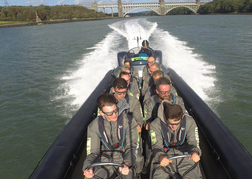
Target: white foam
131, 29
92, 67
79, 84
190, 66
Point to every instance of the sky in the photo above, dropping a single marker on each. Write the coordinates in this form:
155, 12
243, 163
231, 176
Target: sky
76, 2
63, 2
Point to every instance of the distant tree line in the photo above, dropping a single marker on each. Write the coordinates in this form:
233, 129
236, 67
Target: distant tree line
63, 12
180, 11
45, 13
226, 6
218, 6
215, 6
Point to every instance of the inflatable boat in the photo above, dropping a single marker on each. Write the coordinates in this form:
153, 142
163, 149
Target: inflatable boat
222, 154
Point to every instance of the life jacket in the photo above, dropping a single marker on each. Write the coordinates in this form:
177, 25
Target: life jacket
153, 90
104, 136
127, 97
151, 82
148, 51
131, 70
131, 82
147, 69
168, 141
156, 105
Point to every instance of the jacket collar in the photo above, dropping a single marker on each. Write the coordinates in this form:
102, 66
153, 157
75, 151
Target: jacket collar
122, 105
161, 113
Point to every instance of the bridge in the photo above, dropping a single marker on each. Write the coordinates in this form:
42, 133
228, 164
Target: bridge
161, 7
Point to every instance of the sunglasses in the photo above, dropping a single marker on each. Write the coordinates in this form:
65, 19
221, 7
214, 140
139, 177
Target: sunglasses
174, 124
112, 112
164, 92
120, 93
125, 73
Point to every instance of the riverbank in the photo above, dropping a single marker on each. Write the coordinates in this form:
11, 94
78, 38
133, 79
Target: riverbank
90, 19
47, 22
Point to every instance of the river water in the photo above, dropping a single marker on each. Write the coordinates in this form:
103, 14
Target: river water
48, 71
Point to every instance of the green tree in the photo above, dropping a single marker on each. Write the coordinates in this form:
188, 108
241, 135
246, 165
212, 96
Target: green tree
180, 11
4, 14
247, 6
226, 6
20, 17
27, 13
206, 9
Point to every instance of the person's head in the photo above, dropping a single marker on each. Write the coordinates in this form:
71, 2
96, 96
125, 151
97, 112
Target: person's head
119, 88
156, 75
145, 43
125, 76
154, 67
125, 68
173, 114
151, 60
107, 105
163, 88
127, 61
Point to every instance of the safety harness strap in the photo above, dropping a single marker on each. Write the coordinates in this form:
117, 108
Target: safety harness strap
104, 137
181, 135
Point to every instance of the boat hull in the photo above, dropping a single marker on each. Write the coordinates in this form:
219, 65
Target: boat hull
222, 154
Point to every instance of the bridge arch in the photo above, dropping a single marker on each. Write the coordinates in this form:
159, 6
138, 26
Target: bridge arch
161, 8
168, 10
126, 12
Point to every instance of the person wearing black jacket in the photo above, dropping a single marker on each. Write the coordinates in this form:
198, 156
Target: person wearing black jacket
146, 49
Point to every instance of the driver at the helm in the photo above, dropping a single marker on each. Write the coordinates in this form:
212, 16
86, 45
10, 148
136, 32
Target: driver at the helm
146, 49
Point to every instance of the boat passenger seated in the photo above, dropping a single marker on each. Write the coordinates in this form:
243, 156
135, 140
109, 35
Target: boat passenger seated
145, 72
133, 71
111, 137
146, 49
173, 133
133, 83
152, 88
119, 90
150, 111
162, 93
147, 80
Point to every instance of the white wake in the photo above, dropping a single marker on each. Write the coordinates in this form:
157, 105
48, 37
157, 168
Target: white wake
79, 84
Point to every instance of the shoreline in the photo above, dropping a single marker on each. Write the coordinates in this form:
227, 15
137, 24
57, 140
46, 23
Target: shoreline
48, 22
76, 20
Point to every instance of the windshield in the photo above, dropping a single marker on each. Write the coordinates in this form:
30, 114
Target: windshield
135, 55
134, 51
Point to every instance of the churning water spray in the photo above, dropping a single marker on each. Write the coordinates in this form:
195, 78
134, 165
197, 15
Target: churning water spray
191, 67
